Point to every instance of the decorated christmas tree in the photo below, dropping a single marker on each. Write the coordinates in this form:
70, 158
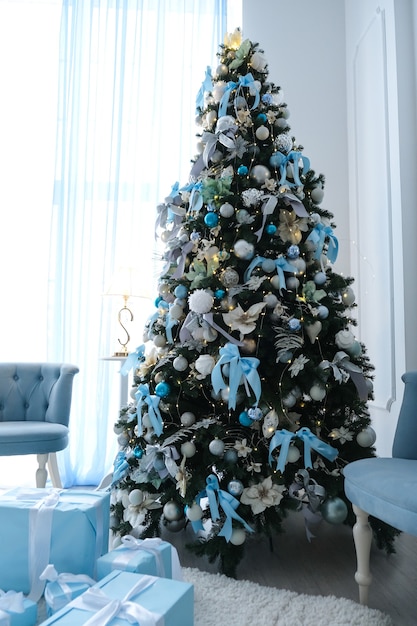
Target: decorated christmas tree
250, 391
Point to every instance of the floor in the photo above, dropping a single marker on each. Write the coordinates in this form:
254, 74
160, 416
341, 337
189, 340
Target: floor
325, 566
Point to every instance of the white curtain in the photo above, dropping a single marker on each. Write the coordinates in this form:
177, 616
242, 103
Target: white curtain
129, 71
126, 73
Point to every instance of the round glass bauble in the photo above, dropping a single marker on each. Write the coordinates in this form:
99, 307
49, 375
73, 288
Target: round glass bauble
235, 487
227, 210
238, 537
244, 249
229, 277
211, 219
260, 173
317, 393
163, 389
180, 363
320, 278
348, 296
136, 497
159, 341
180, 291
175, 526
188, 449
322, 312
334, 510
230, 456
317, 194
366, 437
268, 266
194, 512
172, 511
262, 133
293, 454
187, 418
216, 447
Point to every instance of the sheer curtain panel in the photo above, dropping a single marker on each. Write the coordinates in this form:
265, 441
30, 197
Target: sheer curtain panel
129, 71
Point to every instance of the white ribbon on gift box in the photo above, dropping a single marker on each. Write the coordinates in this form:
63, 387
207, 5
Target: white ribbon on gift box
40, 527
152, 545
105, 608
10, 601
51, 575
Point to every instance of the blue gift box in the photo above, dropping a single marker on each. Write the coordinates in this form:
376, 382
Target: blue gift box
69, 528
171, 602
15, 610
143, 556
62, 588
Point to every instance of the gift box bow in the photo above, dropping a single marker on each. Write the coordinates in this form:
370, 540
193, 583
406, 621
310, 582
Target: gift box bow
64, 580
106, 609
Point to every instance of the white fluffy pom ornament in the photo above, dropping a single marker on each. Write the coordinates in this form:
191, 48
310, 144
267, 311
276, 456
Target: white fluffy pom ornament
200, 301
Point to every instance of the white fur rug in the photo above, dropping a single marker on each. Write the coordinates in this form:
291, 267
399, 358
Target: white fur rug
220, 600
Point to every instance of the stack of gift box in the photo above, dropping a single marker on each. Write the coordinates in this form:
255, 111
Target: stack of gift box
55, 548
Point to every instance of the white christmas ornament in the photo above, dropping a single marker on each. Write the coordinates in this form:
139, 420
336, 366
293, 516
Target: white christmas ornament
187, 418
348, 296
243, 249
216, 447
344, 339
293, 454
226, 210
194, 512
366, 437
205, 364
317, 393
180, 364
238, 536
159, 341
172, 511
188, 449
200, 301
260, 173
317, 195
136, 497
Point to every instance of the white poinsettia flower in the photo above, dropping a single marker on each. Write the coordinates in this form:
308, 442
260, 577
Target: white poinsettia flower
244, 321
254, 467
297, 365
255, 282
258, 61
242, 449
262, 495
342, 434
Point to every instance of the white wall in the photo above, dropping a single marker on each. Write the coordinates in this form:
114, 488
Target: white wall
304, 43
348, 71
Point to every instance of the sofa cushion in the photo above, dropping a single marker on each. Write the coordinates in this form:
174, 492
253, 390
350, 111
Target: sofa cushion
28, 437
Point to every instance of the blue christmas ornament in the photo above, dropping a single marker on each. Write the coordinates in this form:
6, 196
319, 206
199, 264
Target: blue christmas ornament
255, 414
138, 452
230, 456
158, 301
320, 278
211, 219
293, 252
271, 229
322, 312
244, 419
267, 98
261, 118
162, 389
242, 170
294, 324
285, 357
219, 293
181, 291
275, 159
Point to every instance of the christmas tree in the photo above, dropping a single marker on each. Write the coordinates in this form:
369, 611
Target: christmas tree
250, 391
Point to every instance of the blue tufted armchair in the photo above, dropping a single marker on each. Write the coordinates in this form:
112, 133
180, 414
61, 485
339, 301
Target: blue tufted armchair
386, 488
35, 402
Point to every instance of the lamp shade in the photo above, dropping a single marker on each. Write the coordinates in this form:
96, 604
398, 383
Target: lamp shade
124, 282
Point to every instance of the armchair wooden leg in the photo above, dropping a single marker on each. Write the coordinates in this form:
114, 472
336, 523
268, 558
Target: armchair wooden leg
362, 536
54, 471
41, 473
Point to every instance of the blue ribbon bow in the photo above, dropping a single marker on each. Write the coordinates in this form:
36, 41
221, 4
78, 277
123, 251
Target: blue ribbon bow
239, 367
311, 442
143, 395
219, 498
318, 236
293, 157
281, 265
206, 85
244, 81
132, 360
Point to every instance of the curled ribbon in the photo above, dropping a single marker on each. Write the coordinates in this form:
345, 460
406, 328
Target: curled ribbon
268, 207
143, 395
281, 266
10, 601
240, 369
153, 545
106, 609
168, 453
244, 81
318, 236
132, 360
311, 442
64, 580
342, 362
219, 498
311, 496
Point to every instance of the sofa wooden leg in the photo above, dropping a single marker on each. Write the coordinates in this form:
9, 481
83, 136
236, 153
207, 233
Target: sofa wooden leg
362, 536
41, 473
